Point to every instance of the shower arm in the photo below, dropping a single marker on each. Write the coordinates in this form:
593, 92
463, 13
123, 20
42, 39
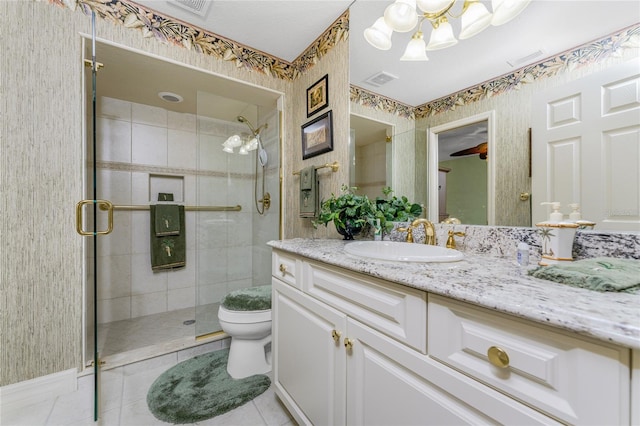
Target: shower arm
256, 132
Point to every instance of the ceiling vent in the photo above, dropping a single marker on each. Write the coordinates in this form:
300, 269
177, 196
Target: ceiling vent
525, 59
380, 79
198, 7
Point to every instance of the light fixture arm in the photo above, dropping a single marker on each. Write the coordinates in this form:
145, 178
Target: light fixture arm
465, 6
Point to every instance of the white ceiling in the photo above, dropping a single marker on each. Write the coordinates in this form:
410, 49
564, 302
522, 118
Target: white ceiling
285, 28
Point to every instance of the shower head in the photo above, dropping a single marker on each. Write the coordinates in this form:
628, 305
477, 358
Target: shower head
255, 131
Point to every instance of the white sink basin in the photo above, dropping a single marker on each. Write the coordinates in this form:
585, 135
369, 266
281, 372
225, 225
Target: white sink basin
402, 252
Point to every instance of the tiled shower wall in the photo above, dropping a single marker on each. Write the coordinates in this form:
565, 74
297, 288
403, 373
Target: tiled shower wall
137, 143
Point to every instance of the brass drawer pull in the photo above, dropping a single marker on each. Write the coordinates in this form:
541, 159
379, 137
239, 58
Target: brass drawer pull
498, 357
283, 269
348, 344
336, 336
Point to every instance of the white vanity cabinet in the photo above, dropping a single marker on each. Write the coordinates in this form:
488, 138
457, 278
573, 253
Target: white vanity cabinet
351, 349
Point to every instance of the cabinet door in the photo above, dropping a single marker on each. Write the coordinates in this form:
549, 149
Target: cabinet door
309, 365
390, 384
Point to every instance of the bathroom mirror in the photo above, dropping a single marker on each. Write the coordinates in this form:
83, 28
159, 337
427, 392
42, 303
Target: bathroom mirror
509, 196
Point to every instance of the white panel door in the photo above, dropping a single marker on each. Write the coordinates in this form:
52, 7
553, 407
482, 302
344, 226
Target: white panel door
586, 148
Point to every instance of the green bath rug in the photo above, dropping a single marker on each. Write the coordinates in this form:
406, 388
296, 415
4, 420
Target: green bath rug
200, 388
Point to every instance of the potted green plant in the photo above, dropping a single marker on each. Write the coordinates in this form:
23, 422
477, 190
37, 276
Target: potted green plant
350, 213
395, 209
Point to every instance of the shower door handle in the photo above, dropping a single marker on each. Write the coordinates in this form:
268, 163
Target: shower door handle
104, 205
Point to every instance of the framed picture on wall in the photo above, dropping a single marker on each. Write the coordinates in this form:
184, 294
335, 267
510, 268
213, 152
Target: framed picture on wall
317, 136
318, 96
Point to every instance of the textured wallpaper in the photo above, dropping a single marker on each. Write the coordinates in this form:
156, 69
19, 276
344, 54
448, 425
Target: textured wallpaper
336, 63
41, 311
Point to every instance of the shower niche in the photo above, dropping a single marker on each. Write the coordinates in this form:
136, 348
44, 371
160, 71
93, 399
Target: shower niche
166, 184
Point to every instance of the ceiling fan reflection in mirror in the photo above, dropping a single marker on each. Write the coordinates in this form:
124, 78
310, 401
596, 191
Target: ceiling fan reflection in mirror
480, 149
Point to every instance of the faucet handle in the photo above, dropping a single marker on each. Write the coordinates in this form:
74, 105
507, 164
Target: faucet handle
409, 231
451, 241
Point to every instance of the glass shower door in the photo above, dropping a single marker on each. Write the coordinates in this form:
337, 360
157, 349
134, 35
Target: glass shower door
231, 245
94, 219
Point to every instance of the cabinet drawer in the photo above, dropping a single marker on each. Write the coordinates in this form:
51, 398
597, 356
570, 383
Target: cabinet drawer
285, 267
573, 379
395, 310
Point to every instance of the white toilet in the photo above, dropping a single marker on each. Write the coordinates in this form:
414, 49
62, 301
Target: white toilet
245, 315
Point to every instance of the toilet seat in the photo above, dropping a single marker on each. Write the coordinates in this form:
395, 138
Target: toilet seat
244, 317
248, 299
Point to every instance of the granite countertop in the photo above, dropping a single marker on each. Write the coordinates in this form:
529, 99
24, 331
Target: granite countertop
499, 284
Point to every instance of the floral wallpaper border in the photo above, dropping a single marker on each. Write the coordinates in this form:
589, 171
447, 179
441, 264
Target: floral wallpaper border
168, 30
586, 54
373, 100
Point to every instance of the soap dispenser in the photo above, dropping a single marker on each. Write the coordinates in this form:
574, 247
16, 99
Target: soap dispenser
557, 237
576, 217
555, 215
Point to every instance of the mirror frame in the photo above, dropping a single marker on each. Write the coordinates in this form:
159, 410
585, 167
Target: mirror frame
432, 163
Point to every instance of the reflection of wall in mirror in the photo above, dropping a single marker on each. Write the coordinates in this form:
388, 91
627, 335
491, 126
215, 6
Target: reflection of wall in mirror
466, 189
371, 178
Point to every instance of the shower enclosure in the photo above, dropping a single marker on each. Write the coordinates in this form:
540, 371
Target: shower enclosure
139, 148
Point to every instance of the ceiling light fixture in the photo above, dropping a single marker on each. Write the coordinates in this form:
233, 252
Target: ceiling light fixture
403, 16
246, 142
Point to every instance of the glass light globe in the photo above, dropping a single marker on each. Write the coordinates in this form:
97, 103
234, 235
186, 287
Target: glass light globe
432, 6
379, 35
415, 50
401, 15
442, 36
506, 10
233, 141
475, 19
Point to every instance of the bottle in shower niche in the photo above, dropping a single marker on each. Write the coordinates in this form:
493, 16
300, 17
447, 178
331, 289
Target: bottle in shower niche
522, 254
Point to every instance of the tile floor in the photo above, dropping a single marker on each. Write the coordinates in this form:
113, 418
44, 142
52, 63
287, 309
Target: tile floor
123, 401
135, 353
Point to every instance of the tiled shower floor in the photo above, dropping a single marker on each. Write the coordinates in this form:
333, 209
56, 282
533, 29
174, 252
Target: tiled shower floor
131, 340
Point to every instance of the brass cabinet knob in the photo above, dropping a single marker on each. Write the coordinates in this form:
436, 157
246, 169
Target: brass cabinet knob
283, 269
336, 336
498, 357
348, 344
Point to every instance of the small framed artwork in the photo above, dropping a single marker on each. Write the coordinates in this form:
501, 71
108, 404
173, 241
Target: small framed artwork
318, 96
317, 136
